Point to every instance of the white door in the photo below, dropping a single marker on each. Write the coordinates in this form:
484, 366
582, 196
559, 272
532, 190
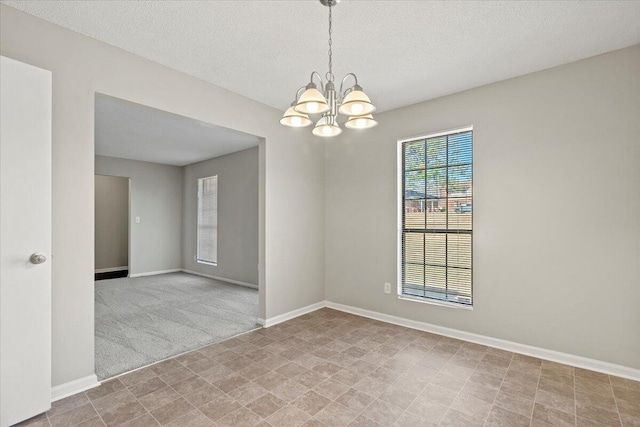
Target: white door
25, 241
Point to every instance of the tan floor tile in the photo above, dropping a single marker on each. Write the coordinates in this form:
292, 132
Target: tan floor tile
68, 403
603, 400
438, 394
371, 386
105, 388
171, 411
230, 383
144, 420
147, 386
516, 404
398, 396
290, 391
37, 421
266, 405
597, 414
74, 416
270, 380
626, 383
347, 377
202, 395
629, 421
136, 377
448, 381
192, 419
291, 370
471, 406
479, 391
408, 419
189, 385
629, 408
331, 389
428, 410
499, 417
596, 376
158, 398
165, 366
123, 413
336, 415
288, 416
219, 407
553, 416
241, 417
556, 401
625, 393
189, 358
454, 418
237, 364
176, 376
215, 373
526, 391
382, 412
93, 422
113, 400
253, 371
311, 402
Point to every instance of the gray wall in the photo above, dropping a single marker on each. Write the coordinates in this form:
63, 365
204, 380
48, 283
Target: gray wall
290, 163
556, 204
237, 215
156, 197
112, 222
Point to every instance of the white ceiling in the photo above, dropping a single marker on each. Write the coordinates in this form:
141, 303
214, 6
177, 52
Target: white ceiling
402, 51
133, 131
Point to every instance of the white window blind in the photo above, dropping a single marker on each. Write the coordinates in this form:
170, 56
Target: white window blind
437, 217
207, 251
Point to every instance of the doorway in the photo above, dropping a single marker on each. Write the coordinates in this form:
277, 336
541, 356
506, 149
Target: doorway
193, 250
112, 201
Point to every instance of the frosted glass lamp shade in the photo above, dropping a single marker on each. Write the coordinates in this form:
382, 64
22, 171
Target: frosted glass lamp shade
356, 103
294, 119
326, 128
361, 122
312, 101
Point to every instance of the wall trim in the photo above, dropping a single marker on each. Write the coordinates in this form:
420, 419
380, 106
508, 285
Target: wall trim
154, 273
111, 269
222, 279
272, 321
541, 353
72, 387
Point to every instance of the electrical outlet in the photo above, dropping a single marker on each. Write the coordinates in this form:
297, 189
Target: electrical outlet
137, 220
387, 288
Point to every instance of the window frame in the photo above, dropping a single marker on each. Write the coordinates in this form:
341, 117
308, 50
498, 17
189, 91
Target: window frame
197, 257
400, 217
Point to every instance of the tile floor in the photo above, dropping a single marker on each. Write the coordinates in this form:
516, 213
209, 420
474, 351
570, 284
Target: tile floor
329, 368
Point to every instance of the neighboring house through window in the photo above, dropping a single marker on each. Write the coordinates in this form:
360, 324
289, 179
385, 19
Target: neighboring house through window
436, 230
207, 225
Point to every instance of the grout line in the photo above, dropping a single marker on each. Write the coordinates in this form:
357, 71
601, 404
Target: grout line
535, 396
94, 408
615, 399
501, 383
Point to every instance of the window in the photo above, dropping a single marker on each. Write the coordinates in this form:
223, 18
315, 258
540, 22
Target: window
436, 222
207, 226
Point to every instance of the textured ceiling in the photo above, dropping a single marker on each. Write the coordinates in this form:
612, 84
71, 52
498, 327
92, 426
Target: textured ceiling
402, 51
134, 131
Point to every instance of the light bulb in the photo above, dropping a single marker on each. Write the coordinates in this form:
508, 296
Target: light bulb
296, 121
312, 107
326, 130
356, 109
360, 123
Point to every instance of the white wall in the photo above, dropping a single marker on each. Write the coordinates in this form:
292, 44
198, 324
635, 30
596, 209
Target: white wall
556, 209
237, 215
290, 166
111, 222
156, 197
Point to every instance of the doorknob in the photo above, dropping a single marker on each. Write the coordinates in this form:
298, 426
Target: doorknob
37, 258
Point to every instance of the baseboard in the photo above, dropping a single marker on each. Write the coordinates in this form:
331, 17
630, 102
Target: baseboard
222, 279
72, 387
111, 269
292, 314
153, 273
541, 353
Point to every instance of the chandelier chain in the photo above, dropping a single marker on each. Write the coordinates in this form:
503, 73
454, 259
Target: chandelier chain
330, 73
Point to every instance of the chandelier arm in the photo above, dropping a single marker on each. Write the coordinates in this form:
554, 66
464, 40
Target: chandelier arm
315, 73
298, 93
342, 83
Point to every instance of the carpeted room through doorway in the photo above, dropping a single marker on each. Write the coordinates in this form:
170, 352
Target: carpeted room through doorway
139, 321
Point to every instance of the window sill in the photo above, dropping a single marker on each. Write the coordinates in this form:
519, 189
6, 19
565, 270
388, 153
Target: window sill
436, 302
215, 264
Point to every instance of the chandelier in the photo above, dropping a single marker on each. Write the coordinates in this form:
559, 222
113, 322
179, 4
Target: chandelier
351, 102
